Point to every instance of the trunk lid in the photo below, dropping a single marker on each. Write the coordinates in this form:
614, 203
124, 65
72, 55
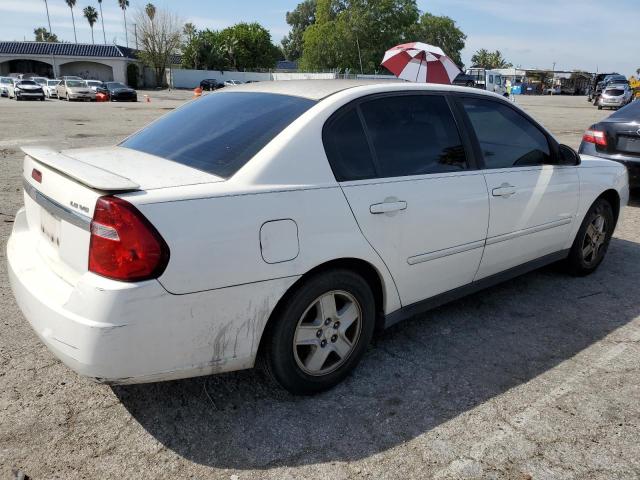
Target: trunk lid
61, 190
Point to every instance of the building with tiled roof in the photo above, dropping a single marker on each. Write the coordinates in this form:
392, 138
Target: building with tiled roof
48, 59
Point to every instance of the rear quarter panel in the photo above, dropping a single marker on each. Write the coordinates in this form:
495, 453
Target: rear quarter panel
597, 176
215, 242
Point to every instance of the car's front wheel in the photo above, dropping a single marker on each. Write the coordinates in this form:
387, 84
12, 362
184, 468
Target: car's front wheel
592, 241
321, 332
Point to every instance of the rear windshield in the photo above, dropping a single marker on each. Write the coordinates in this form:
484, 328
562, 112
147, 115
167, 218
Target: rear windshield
614, 91
75, 83
27, 82
220, 132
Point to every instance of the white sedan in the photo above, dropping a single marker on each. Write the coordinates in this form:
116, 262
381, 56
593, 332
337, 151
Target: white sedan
286, 221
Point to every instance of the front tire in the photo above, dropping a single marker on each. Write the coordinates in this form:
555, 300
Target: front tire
320, 332
593, 238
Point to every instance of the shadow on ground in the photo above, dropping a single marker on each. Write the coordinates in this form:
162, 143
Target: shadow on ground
415, 376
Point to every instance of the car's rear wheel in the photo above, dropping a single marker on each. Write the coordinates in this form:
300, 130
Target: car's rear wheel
593, 238
321, 332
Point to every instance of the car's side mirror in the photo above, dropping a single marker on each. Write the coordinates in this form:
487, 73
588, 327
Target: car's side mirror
568, 156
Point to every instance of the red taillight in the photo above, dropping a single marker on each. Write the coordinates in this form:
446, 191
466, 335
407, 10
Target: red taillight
595, 136
124, 245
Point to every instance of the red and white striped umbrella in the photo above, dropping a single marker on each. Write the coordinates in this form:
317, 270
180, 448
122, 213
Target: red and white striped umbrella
420, 62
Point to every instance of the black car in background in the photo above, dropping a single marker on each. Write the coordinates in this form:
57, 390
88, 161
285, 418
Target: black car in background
210, 84
118, 92
617, 137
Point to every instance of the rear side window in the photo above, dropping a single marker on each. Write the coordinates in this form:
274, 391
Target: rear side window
507, 139
221, 132
347, 149
413, 135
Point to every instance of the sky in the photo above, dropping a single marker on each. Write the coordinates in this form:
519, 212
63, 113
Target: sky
592, 35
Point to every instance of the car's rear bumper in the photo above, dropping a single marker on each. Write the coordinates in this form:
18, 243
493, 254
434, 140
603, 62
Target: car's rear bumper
116, 332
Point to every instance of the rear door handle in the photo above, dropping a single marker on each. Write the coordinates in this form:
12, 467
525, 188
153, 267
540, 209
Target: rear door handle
505, 190
387, 207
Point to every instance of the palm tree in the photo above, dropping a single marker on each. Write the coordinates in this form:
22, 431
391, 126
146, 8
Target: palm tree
72, 3
46, 5
91, 14
123, 5
102, 19
151, 11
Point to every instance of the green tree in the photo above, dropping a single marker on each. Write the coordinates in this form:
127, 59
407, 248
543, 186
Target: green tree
248, 45
300, 18
354, 34
91, 14
43, 35
71, 4
485, 59
441, 32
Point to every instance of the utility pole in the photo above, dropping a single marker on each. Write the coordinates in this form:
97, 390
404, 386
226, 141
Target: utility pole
135, 32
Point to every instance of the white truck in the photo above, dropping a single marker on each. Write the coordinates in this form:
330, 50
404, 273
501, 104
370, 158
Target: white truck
490, 80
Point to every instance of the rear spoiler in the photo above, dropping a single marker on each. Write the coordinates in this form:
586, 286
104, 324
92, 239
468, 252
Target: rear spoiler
89, 175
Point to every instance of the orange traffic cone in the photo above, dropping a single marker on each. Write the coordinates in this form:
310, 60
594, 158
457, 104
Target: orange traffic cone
197, 92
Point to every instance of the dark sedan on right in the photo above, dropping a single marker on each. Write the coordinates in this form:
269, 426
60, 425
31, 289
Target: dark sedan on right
119, 92
617, 137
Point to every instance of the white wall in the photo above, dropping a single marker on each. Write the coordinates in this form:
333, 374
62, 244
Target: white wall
302, 76
191, 78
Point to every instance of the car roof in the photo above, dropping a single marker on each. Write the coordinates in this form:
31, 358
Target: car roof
319, 89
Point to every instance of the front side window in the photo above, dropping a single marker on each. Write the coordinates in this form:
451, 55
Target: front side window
219, 133
507, 139
413, 135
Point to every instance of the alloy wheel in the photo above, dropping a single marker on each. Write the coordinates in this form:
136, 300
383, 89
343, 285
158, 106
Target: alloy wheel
327, 333
594, 238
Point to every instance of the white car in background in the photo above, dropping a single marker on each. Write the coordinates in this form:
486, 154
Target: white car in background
50, 89
94, 84
313, 213
232, 83
6, 84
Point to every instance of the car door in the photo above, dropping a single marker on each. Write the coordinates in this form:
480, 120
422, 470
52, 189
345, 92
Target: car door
410, 181
533, 199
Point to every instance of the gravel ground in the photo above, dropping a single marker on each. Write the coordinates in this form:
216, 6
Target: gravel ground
536, 378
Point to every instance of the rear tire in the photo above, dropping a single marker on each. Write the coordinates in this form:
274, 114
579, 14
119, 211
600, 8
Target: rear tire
320, 332
592, 240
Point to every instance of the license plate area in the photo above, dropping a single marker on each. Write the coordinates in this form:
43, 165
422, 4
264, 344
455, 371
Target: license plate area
629, 144
50, 229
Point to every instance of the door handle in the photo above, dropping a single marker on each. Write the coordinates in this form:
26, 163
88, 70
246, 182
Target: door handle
505, 190
387, 207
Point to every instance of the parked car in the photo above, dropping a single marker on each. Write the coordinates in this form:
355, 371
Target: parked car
210, 84
42, 81
287, 220
617, 138
27, 90
232, 83
50, 89
75, 90
615, 96
94, 84
596, 85
119, 92
606, 82
5, 82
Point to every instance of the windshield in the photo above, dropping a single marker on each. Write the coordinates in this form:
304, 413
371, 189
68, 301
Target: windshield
94, 82
116, 85
27, 82
220, 132
75, 83
53, 82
